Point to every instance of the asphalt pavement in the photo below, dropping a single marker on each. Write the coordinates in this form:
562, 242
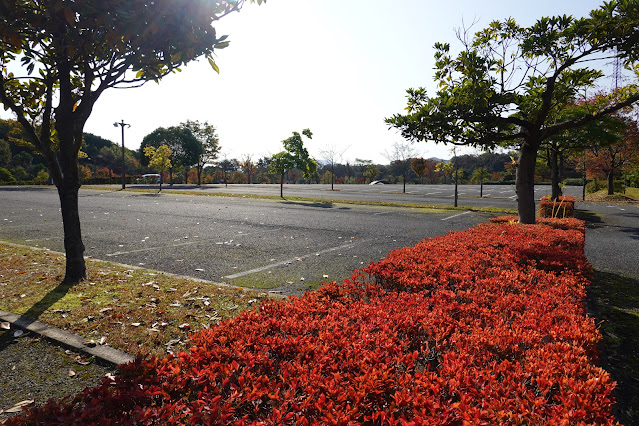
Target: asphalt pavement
279, 245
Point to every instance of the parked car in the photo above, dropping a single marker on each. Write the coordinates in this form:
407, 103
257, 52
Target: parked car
379, 182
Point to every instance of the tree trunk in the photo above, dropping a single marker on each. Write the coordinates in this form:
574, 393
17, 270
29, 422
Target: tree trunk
198, 169
554, 174
282, 186
525, 183
611, 183
404, 178
73, 246
171, 176
332, 175
481, 188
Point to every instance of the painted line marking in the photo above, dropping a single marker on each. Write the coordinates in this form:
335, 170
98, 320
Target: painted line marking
460, 214
188, 243
289, 261
433, 193
119, 253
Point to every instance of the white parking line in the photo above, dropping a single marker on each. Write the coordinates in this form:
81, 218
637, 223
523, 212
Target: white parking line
188, 243
450, 217
288, 261
120, 253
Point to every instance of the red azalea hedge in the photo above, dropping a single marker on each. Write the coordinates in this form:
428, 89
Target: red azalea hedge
484, 326
564, 207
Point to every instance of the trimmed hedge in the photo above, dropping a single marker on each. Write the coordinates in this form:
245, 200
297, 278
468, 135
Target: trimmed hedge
484, 326
562, 208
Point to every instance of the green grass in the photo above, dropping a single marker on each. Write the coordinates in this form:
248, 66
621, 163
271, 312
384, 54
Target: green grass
632, 193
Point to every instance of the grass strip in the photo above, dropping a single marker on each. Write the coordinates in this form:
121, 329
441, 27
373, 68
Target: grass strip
136, 310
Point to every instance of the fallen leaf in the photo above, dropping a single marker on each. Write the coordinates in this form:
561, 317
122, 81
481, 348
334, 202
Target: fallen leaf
18, 333
71, 373
18, 407
199, 269
81, 360
102, 340
324, 276
5, 325
110, 376
136, 324
186, 325
90, 343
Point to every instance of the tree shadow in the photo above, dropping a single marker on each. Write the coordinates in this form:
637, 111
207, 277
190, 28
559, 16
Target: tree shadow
21, 188
614, 301
320, 204
588, 216
34, 312
147, 194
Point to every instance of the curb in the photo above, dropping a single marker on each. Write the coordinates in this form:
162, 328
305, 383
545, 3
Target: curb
103, 354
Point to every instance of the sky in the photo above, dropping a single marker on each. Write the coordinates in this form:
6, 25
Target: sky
337, 67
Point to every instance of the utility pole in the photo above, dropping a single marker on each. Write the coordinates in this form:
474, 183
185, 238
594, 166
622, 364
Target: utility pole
122, 124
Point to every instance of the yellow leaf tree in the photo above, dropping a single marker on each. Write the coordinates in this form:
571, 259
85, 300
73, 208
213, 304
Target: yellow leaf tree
159, 159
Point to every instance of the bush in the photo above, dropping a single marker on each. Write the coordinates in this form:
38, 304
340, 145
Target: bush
596, 186
562, 208
6, 176
573, 182
42, 178
484, 326
593, 186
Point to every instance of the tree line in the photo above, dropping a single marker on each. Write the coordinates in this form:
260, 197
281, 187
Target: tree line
608, 151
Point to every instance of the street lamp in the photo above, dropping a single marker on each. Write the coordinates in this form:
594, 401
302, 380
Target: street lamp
122, 124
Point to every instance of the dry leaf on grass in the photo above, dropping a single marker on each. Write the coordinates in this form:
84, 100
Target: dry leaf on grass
18, 407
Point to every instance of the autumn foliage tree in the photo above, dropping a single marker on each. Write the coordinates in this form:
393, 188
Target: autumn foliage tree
508, 84
159, 159
59, 56
609, 161
418, 165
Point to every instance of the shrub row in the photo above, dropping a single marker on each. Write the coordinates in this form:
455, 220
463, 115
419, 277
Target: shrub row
484, 326
561, 208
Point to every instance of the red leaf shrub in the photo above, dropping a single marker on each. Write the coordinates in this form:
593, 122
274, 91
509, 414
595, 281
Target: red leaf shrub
562, 208
484, 326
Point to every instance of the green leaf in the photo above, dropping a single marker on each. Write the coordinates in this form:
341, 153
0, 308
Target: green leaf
222, 45
214, 65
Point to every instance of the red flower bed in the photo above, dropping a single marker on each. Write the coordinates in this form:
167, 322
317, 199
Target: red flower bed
562, 208
484, 326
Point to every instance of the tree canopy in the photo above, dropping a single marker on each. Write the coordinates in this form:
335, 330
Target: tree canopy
207, 137
294, 156
185, 148
509, 83
59, 56
159, 159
